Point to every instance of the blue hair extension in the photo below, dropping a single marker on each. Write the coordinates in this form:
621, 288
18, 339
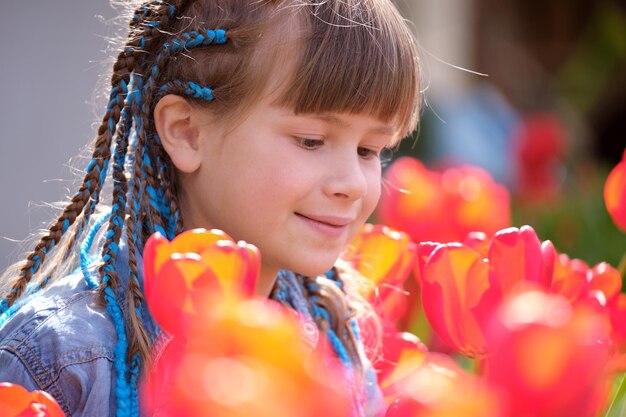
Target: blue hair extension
85, 247
135, 369
321, 313
109, 255
122, 389
194, 39
188, 88
116, 95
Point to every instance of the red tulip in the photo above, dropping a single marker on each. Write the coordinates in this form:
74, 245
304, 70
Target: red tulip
457, 297
16, 401
548, 357
445, 206
179, 275
461, 289
518, 256
615, 193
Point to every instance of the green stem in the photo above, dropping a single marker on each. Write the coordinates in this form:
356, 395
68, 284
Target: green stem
618, 397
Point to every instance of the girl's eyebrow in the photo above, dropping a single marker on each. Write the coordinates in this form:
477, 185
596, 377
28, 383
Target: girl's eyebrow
334, 120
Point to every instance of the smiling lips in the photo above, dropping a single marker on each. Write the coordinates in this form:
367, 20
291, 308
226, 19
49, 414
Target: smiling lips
331, 226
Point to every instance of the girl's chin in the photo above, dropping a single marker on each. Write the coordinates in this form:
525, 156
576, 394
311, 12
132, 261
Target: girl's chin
315, 270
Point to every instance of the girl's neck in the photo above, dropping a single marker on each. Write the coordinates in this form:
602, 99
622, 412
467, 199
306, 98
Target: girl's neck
267, 278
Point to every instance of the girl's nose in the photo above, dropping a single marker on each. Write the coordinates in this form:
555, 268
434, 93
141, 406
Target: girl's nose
346, 179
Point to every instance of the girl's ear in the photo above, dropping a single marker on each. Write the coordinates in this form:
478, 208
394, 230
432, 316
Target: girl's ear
174, 119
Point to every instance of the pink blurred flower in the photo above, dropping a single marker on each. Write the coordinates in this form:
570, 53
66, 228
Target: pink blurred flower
438, 387
446, 206
244, 358
548, 357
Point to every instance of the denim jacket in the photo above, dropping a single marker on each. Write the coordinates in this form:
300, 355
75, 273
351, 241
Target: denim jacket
62, 339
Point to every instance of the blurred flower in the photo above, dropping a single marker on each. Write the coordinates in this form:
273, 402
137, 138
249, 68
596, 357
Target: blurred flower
402, 354
540, 144
244, 358
615, 193
16, 401
443, 207
181, 274
230, 353
439, 388
548, 357
385, 258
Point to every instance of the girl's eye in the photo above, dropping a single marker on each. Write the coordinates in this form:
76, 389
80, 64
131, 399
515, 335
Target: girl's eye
367, 153
309, 143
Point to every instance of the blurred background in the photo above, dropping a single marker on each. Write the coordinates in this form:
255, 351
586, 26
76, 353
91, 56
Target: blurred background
533, 92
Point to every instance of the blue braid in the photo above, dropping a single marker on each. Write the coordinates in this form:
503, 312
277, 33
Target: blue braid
110, 251
122, 389
86, 247
321, 313
115, 97
195, 39
188, 88
135, 369
337, 344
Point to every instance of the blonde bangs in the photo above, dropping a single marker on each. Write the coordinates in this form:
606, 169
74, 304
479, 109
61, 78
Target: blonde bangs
357, 63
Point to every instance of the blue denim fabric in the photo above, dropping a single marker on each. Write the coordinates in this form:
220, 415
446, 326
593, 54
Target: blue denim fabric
62, 340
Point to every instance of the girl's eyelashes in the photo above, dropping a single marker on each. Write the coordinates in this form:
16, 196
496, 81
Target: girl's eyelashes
368, 153
309, 143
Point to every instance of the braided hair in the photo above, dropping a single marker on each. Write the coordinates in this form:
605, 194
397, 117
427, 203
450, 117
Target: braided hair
209, 52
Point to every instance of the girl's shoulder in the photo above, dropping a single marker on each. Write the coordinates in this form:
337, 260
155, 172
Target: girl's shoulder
58, 325
60, 339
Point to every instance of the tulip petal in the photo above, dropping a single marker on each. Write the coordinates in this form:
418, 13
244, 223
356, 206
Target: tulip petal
605, 278
516, 257
454, 280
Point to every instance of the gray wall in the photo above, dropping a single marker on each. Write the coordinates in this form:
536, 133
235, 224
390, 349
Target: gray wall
51, 55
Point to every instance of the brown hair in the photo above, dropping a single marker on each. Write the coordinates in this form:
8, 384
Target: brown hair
355, 56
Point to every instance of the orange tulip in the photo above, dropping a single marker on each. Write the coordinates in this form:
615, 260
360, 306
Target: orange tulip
385, 258
243, 358
180, 274
443, 207
548, 357
16, 401
615, 193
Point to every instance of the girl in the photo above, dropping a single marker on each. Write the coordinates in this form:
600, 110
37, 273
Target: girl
265, 119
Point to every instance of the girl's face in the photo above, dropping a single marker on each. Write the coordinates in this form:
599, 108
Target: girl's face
298, 187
